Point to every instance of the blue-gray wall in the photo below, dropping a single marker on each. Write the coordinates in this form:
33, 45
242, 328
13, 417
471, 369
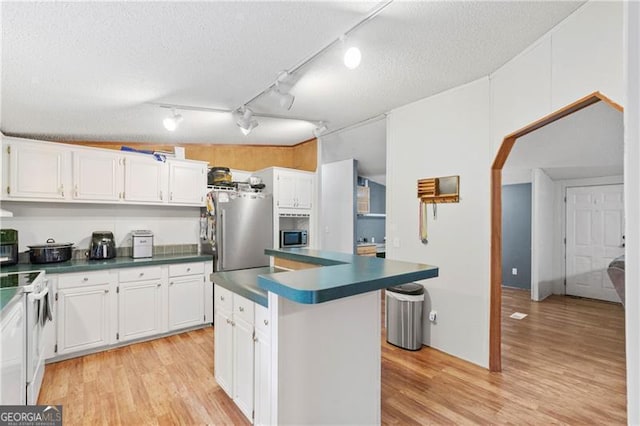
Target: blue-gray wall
516, 235
367, 227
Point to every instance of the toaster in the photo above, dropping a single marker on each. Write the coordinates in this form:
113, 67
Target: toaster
141, 244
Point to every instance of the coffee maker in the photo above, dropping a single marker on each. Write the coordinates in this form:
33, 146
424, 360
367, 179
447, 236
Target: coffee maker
103, 245
8, 247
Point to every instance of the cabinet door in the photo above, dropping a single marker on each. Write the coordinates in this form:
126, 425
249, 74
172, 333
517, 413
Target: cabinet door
186, 305
304, 191
243, 346
223, 351
37, 171
139, 305
262, 392
286, 189
13, 365
187, 183
83, 318
97, 176
145, 179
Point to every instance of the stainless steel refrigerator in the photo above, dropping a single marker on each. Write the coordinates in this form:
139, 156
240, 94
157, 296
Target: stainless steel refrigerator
239, 226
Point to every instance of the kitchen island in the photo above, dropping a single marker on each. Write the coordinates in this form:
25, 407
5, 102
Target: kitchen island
324, 317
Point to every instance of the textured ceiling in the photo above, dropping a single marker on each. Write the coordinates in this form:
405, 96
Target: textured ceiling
88, 70
585, 144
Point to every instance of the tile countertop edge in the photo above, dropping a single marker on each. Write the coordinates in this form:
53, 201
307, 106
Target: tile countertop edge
96, 265
339, 264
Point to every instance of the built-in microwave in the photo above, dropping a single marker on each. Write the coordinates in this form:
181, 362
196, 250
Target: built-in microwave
293, 238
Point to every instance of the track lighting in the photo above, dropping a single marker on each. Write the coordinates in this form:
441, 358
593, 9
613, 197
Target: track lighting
352, 58
281, 90
171, 123
246, 122
320, 129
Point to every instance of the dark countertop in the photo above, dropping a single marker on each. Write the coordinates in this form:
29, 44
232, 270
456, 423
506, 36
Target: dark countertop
343, 275
95, 265
245, 283
9, 296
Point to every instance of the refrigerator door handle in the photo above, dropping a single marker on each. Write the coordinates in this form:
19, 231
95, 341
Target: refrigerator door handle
221, 244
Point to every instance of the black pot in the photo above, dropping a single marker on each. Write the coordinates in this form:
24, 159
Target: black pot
51, 252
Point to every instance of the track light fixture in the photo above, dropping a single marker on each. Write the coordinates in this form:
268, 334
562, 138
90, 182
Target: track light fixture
246, 122
281, 90
171, 123
320, 129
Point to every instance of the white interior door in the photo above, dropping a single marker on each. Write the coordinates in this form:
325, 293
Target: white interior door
595, 236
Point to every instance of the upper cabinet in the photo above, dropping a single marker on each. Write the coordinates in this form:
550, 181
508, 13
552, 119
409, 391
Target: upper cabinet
144, 179
97, 175
45, 171
187, 182
35, 171
294, 189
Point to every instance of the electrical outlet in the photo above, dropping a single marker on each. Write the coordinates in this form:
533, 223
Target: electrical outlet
433, 315
514, 271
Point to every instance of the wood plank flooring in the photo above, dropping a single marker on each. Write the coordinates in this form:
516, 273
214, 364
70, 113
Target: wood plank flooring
564, 363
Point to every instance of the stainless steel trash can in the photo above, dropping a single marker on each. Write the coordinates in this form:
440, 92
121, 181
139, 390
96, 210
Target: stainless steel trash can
403, 305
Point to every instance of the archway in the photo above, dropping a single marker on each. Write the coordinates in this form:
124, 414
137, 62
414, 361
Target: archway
495, 316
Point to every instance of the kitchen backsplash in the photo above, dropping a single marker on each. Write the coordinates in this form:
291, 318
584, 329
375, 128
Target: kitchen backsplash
172, 227
170, 249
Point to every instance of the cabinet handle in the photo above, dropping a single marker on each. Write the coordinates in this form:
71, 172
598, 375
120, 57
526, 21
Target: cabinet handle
76, 189
233, 323
222, 298
85, 279
171, 196
62, 190
171, 283
255, 339
160, 195
266, 322
228, 321
241, 309
141, 273
188, 269
158, 285
106, 291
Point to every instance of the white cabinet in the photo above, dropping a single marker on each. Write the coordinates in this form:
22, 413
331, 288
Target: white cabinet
294, 189
186, 287
262, 367
208, 293
243, 353
85, 317
139, 303
97, 175
13, 357
187, 182
145, 179
35, 171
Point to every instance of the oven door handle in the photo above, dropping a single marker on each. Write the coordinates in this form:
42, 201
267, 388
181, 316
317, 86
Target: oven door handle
40, 295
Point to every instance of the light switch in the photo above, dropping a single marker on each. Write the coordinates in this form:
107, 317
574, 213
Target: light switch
514, 271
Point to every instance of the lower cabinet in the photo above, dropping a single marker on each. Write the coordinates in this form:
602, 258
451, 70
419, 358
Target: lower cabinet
94, 310
242, 354
86, 311
139, 309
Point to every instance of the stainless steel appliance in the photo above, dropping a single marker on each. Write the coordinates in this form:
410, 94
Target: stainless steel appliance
239, 228
34, 289
8, 247
293, 238
102, 245
141, 244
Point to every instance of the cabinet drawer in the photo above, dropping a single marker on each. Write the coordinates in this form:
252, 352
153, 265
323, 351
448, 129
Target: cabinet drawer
186, 269
140, 274
223, 298
83, 279
262, 319
243, 309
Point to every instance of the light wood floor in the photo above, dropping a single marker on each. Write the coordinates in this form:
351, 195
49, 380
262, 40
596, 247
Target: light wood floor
564, 363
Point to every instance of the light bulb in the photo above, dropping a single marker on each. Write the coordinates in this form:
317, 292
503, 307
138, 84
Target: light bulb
352, 58
171, 123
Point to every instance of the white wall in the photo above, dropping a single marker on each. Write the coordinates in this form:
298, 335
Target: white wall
449, 134
337, 206
542, 235
74, 223
445, 135
632, 208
